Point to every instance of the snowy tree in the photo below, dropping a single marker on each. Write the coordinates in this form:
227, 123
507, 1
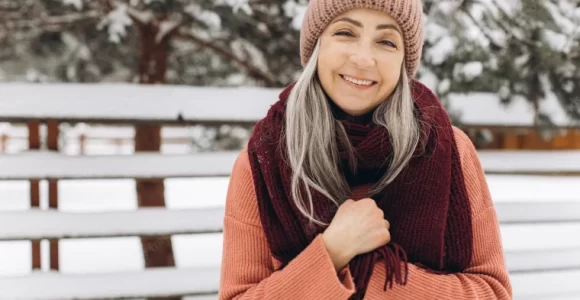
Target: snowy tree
526, 49
223, 42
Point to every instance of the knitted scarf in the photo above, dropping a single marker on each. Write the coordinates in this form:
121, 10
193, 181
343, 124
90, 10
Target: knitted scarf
427, 204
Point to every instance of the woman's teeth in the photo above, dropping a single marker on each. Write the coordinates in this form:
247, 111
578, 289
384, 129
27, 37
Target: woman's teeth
356, 81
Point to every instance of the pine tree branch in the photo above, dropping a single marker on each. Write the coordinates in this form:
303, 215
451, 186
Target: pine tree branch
51, 21
253, 71
504, 28
482, 29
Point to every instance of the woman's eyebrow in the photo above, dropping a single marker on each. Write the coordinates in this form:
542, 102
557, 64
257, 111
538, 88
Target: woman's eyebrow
359, 24
389, 26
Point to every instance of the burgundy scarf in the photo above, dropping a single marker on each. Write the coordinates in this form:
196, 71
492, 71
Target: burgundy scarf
426, 205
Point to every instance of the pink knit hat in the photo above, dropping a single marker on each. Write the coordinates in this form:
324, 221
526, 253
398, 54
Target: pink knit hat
407, 13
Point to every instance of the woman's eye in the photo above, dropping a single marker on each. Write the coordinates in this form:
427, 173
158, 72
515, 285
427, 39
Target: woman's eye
388, 43
345, 33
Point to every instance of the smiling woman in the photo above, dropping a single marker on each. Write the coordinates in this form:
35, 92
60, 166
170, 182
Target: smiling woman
360, 61
355, 185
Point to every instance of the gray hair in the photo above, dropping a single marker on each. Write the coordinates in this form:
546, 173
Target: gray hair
311, 132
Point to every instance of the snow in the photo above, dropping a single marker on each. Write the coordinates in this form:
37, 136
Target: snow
78, 4
437, 54
546, 285
543, 260
554, 236
296, 11
533, 189
100, 102
44, 164
55, 224
113, 196
486, 109
518, 212
153, 282
499, 161
210, 18
116, 22
164, 28
471, 70
556, 41
155, 103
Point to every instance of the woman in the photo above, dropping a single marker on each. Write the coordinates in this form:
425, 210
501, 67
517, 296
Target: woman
355, 185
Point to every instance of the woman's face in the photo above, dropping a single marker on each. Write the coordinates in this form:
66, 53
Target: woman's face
360, 59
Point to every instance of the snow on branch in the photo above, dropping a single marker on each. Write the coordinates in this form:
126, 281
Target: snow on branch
50, 21
116, 21
255, 72
166, 27
142, 17
78, 4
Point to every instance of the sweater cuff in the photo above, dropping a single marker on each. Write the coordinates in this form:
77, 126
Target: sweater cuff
319, 271
345, 277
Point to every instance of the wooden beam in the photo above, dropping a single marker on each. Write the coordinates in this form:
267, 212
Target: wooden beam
52, 145
64, 225
140, 165
158, 282
34, 144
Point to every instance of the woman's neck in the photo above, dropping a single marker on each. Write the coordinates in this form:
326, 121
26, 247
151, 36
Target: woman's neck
341, 115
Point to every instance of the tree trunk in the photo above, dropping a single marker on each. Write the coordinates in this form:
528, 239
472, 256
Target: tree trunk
157, 251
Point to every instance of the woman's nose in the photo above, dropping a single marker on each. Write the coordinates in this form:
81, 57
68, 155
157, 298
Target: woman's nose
362, 57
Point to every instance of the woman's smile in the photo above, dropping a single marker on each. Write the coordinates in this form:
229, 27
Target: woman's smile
358, 83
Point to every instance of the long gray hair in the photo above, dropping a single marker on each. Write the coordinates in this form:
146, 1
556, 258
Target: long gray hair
311, 132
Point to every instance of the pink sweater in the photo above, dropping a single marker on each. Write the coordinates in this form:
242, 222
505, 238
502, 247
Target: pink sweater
249, 272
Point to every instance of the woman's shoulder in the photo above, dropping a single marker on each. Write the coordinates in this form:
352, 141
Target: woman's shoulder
241, 201
464, 144
473, 173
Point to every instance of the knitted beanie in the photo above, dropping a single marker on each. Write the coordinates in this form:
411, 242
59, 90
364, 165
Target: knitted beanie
407, 13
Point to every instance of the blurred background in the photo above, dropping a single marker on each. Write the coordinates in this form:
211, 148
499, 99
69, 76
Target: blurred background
120, 121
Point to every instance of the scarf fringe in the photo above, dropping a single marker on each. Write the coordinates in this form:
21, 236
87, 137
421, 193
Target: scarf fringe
396, 265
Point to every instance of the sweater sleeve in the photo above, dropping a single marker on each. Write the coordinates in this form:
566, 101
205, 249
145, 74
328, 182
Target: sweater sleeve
248, 271
487, 277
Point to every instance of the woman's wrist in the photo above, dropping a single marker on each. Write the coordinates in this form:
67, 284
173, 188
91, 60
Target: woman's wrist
339, 254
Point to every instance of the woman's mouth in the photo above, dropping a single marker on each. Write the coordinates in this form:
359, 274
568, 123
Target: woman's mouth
358, 83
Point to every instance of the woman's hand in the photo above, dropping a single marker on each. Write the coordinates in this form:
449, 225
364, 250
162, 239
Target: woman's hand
358, 227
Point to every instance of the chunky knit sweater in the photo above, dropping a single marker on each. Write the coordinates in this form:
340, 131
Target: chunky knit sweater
249, 272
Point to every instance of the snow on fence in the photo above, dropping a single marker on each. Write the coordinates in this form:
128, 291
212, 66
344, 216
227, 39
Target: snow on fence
131, 103
38, 224
557, 162
541, 236
154, 282
50, 165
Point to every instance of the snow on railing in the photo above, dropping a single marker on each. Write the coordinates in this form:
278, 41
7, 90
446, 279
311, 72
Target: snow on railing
47, 165
530, 161
153, 282
132, 103
37, 224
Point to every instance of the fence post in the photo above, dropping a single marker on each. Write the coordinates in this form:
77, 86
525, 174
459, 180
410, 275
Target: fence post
82, 142
4, 141
52, 145
34, 144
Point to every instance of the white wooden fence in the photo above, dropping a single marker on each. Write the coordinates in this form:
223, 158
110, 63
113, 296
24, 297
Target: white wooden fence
541, 234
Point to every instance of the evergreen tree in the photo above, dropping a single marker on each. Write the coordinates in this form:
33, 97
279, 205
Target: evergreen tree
213, 42
525, 48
